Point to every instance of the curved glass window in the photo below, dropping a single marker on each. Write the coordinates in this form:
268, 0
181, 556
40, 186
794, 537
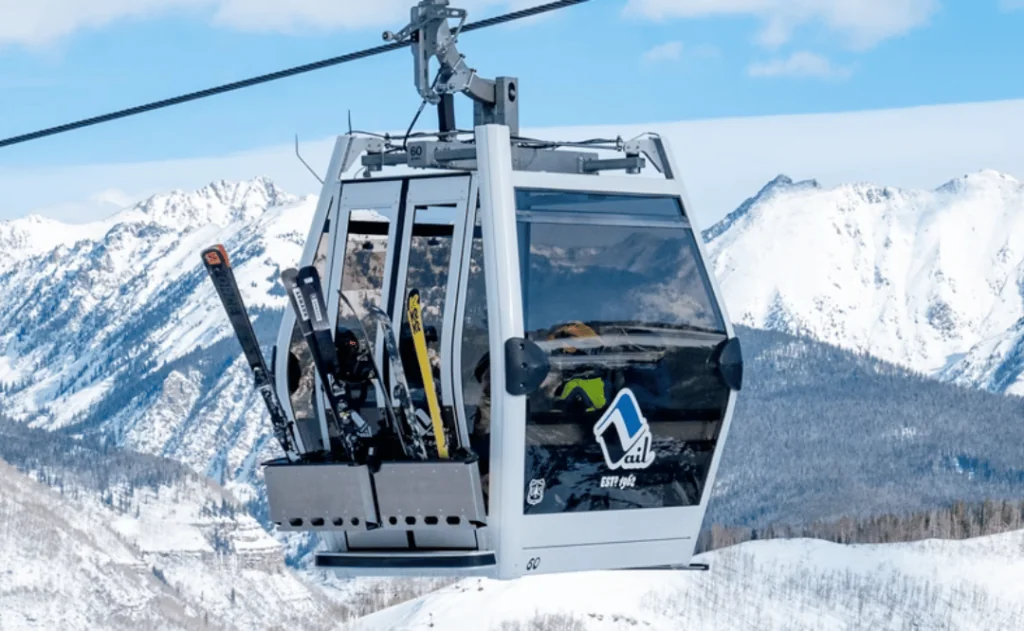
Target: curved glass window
302, 373
362, 282
474, 347
429, 260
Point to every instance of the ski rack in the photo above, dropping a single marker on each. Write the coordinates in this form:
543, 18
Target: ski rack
400, 495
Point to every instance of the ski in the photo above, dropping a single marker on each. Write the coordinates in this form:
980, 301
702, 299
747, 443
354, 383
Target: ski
218, 266
307, 299
411, 443
415, 315
400, 391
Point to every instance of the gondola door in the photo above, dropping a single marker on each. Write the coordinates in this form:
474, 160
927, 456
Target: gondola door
613, 399
437, 211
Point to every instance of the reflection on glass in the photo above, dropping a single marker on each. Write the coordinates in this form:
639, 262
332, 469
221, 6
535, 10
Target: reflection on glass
644, 206
639, 275
300, 391
362, 281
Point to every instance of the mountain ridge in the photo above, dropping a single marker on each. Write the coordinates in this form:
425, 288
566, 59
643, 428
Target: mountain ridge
916, 277
123, 336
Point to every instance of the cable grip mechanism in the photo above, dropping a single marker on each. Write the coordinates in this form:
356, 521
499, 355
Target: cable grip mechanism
428, 31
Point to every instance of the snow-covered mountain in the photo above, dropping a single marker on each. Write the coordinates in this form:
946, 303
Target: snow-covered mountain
996, 363
179, 555
789, 585
33, 235
116, 330
931, 280
111, 326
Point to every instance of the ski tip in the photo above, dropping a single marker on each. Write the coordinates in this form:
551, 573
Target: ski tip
309, 271
216, 255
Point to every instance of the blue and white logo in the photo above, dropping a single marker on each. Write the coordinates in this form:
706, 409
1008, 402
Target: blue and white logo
624, 435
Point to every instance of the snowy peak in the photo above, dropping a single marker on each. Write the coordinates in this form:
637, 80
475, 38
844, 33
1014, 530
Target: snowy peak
33, 235
218, 203
915, 277
783, 183
981, 180
780, 185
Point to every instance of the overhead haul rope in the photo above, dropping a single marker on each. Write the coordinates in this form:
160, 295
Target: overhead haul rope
273, 76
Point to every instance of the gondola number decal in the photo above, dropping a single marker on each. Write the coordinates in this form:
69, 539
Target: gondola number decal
533, 564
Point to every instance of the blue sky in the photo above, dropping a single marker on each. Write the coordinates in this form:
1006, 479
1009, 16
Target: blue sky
899, 92
608, 61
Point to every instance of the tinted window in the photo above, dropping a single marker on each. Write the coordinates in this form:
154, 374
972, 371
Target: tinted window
302, 373
592, 272
362, 282
547, 201
630, 411
430, 251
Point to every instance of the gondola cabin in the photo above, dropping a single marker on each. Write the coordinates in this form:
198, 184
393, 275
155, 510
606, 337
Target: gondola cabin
508, 358
582, 362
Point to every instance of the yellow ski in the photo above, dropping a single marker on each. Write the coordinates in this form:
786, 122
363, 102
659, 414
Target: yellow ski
420, 341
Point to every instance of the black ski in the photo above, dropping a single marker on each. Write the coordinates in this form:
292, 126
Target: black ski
307, 298
419, 423
411, 442
218, 266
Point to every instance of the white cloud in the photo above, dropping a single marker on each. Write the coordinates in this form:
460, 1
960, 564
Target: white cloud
670, 51
863, 23
800, 64
1011, 5
293, 15
42, 22
722, 161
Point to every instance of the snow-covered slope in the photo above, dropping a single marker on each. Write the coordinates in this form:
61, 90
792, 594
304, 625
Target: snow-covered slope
114, 330
32, 235
791, 585
996, 363
932, 280
177, 556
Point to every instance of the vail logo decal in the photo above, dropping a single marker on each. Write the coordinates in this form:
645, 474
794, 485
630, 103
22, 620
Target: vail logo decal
624, 435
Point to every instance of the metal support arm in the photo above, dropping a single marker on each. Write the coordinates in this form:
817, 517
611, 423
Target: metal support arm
432, 37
